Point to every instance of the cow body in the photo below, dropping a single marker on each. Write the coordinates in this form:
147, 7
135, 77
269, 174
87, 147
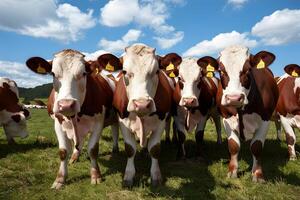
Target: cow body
12, 114
247, 97
143, 100
78, 104
195, 96
288, 106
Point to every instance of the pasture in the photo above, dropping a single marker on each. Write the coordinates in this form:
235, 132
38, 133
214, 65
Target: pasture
28, 169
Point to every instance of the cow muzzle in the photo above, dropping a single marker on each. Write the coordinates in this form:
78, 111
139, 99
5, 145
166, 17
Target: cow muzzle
190, 102
67, 107
143, 106
236, 100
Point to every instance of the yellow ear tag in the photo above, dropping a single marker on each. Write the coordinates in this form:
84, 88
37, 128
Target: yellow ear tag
109, 67
97, 71
170, 67
172, 75
210, 68
41, 70
209, 74
295, 74
261, 64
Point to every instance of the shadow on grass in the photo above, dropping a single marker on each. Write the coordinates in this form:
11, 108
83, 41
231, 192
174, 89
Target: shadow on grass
6, 149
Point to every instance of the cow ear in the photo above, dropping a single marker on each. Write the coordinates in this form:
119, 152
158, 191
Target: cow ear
26, 113
293, 70
209, 65
109, 62
39, 65
262, 59
170, 64
16, 118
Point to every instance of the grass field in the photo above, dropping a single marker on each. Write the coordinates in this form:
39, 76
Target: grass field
27, 170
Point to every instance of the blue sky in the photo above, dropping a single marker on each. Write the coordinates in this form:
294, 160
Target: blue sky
189, 28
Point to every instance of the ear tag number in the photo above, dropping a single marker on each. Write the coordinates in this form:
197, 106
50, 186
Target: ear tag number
170, 67
261, 64
109, 67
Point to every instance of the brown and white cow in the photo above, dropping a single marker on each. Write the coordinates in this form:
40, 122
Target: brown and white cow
288, 106
247, 98
195, 96
143, 99
12, 114
78, 103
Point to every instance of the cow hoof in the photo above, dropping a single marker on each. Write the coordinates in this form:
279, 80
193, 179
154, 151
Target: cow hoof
115, 150
57, 185
232, 175
127, 183
156, 183
256, 179
95, 181
293, 158
168, 141
74, 158
219, 142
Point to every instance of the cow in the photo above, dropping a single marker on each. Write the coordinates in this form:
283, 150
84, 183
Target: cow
195, 96
247, 97
13, 115
142, 99
79, 102
288, 106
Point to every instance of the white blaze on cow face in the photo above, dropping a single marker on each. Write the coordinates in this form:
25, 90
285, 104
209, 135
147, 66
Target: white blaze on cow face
233, 60
69, 82
141, 66
190, 74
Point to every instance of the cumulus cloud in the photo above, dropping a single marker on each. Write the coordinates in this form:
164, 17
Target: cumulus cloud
237, 3
281, 27
145, 13
166, 43
20, 74
118, 45
219, 42
94, 55
45, 19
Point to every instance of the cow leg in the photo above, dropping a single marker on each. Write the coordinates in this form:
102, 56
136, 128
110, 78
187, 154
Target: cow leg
290, 137
64, 150
278, 129
76, 152
93, 149
217, 120
10, 140
181, 154
256, 147
115, 136
174, 138
130, 149
167, 129
234, 148
154, 151
199, 137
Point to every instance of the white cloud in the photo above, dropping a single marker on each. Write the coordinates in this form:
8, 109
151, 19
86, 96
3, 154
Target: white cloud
45, 19
118, 45
281, 27
219, 42
145, 13
93, 56
166, 43
22, 75
237, 3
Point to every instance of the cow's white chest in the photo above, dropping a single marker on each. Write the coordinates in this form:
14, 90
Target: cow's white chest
141, 126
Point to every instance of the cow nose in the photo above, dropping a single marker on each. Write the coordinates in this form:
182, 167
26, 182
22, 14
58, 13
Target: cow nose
66, 106
142, 104
235, 98
189, 101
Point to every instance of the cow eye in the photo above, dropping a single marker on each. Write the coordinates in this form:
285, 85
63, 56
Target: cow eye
84, 73
130, 75
126, 80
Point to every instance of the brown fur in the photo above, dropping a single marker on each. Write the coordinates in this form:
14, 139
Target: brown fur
129, 150
62, 154
289, 140
233, 147
9, 100
94, 151
256, 149
155, 151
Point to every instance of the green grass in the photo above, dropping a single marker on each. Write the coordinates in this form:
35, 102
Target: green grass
27, 170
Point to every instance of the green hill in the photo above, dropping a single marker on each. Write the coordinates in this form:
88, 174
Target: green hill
39, 92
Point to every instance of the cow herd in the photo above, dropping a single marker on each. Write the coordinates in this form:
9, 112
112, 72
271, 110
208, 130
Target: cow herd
140, 92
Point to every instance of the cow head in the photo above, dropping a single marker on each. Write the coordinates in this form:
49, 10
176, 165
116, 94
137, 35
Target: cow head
69, 71
169, 64
140, 68
235, 65
13, 114
190, 72
292, 70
